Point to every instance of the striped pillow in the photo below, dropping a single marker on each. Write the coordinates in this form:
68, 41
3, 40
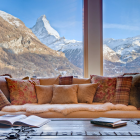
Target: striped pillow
3, 100
67, 80
123, 87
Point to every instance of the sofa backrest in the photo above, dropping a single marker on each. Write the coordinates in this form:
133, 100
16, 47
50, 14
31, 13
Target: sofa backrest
4, 86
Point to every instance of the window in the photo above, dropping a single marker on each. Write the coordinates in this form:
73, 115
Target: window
121, 37
41, 38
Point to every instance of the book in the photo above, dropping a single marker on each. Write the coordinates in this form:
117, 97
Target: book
111, 122
106, 120
23, 120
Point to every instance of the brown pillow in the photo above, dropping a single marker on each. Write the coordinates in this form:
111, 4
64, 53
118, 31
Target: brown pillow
49, 81
64, 94
86, 93
81, 80
67, 80
3, 100
44, 93
123, 87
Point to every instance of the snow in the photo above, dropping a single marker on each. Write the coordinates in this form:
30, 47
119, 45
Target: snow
50, 37
9, 18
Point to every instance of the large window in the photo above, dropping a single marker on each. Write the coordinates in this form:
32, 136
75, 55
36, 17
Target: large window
41, 38
121, 37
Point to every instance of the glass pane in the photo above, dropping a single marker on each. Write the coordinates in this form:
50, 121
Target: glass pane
41, 38
121, 36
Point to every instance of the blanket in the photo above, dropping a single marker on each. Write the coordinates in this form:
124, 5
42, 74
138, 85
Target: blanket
65, 109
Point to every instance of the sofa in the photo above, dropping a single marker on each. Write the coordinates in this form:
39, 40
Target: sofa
93, 110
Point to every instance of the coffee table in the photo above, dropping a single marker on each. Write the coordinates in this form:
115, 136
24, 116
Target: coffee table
78, 129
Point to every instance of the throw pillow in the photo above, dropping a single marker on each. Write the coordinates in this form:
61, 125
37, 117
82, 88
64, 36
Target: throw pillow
134, 98
49, 81
34, 82
21, 91
86, 93
123, 87
106, 89
67, 80
81, 80
64, 94
44, 93
4, 87
3, 100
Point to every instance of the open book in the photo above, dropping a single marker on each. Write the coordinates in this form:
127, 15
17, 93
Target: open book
23, 120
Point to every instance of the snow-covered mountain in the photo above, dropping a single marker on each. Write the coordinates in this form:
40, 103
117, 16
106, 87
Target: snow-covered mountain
110, 55
128, 52
22, 53
50, 37
128, 49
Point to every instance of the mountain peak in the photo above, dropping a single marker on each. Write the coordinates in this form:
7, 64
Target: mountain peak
41, 18
43, 23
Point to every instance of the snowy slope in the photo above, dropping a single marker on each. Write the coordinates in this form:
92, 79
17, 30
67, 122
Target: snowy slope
9, 18
110, 55
50, 37
44, 32
128, 49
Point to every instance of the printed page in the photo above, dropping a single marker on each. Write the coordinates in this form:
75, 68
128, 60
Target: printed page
32, 120
10, 119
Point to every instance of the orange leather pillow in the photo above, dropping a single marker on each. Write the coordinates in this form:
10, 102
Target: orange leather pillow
44, 93
64, 94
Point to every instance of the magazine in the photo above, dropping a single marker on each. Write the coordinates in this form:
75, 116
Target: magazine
23, 120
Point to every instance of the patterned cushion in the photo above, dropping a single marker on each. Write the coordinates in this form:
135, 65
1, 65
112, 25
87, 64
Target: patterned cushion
123, 87
106, 89
21, 91
4, 87
67, 80
3, 100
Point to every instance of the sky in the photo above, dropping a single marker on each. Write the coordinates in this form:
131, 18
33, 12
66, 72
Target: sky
65, 16
121, 18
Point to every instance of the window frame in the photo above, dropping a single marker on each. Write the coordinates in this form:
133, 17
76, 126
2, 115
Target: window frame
93, 38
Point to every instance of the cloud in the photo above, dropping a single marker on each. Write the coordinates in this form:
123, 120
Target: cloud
121, 26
